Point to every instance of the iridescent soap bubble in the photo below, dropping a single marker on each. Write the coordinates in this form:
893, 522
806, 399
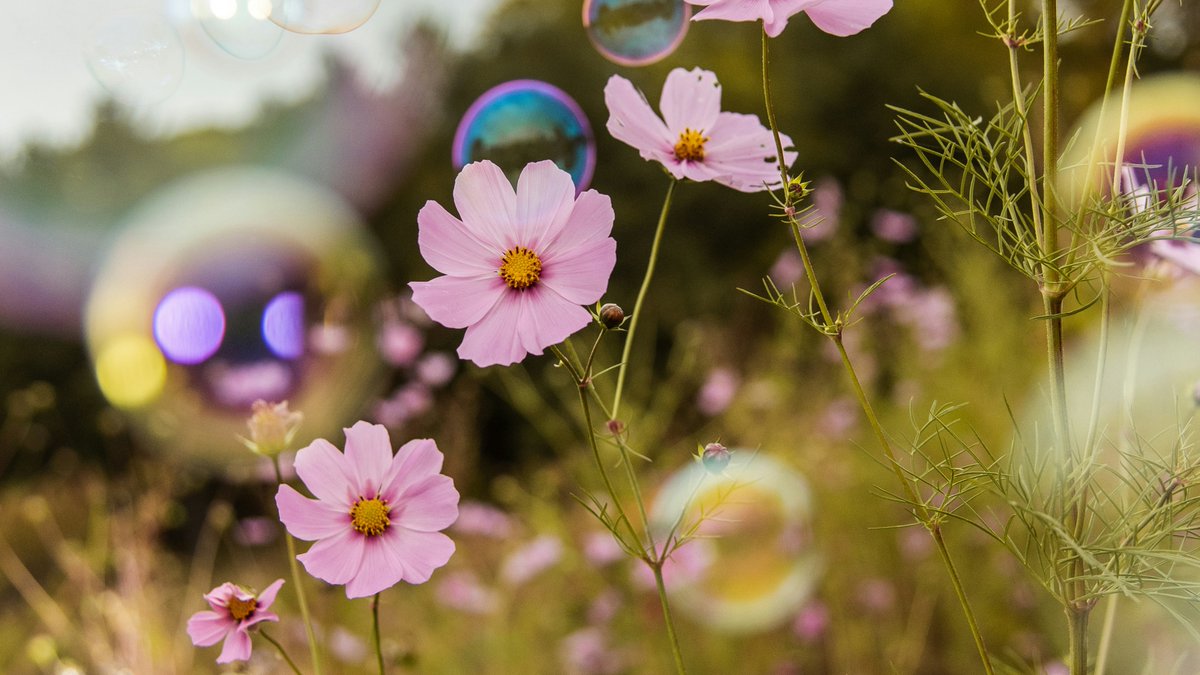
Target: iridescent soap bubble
322, 16
223, 289
242, 28
752, 563
525, 121
636, 32
138, 58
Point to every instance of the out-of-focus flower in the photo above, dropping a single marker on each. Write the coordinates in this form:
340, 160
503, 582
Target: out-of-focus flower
877, 595
604, 607
894, 226
811, 622
686, 564
234, 612
836, 17
839, 418
484, 520
436, 369
601, 549
462, 591
272, 427
377, 517
823, 219
400, 343
787, 269
346, 646
531, 560
696, 141
255, 531
519, 264
718, 391
587, 652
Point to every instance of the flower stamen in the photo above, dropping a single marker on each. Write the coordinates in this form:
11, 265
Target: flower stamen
370, 516
240, 609
520, 268
690, 146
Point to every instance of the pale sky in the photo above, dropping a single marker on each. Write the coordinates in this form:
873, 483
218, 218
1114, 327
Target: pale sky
48, 93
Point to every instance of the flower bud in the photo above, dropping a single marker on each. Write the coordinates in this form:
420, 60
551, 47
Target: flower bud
272, 427
611, 315
715, 458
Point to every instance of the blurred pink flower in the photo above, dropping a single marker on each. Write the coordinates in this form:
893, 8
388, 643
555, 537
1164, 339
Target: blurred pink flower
484, 520
601, 549
836, 17
234, 611
256, 530
519, 265
718, 391
531, 560
587, 652
462, 591
436, 369
812, 622
687, 564
787, 269
400, 343
697, 141
377, 517
822, 221
894, 226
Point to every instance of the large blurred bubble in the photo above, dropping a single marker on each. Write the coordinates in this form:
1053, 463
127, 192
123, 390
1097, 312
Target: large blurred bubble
138, 58
525, 121
229, 287
752, 564
322, 16
636, 32
1162, 137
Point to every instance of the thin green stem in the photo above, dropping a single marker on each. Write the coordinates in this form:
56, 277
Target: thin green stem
1022, 109
375, 632
961, 594
298, 585
1051, 105
641, 297
666, 610
1106, 633
1077, 626
281, 650
1101, 361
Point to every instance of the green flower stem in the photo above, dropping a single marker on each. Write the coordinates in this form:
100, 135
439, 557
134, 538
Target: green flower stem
375, 632
281, 650
297, 583
833, 329
1019, 102
1077, 625
666, 610
641, 297
651, 557
1106, 633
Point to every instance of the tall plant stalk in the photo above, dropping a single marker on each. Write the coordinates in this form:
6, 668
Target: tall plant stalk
833, 328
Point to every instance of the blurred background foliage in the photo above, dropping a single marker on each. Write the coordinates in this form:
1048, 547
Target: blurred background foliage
125, 536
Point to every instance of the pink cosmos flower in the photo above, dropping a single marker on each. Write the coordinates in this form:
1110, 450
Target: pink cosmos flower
518, 265
694, 139
836, 17
234, 611
377, 517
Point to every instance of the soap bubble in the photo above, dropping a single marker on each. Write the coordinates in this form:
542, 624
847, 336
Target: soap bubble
223, 289
753, 564
636, 32
525, 121
322, 16
137, 58
242, 28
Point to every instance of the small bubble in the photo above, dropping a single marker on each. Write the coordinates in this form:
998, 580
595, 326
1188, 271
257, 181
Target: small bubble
636, 32
239, 27
320, 16
525, 121
137, 58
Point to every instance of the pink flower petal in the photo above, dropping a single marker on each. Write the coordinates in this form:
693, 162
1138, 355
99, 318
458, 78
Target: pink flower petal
428, 506
449, 246
591, 220
259, 616
267, 597
321, 467
207, 628
218, 598
690, 99
422, 552
735, 10
493, 340
545, 197
237, 647
784, 10
336, 559
309, 519
631, 121
415, 461
739, 150
369, 455
380, 570
547, 318
847, 17
487, 204
581, 276
458, 302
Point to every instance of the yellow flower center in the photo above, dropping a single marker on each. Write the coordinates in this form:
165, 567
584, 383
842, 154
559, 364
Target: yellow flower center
690, 146
370, 516
240, 609
520, 268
